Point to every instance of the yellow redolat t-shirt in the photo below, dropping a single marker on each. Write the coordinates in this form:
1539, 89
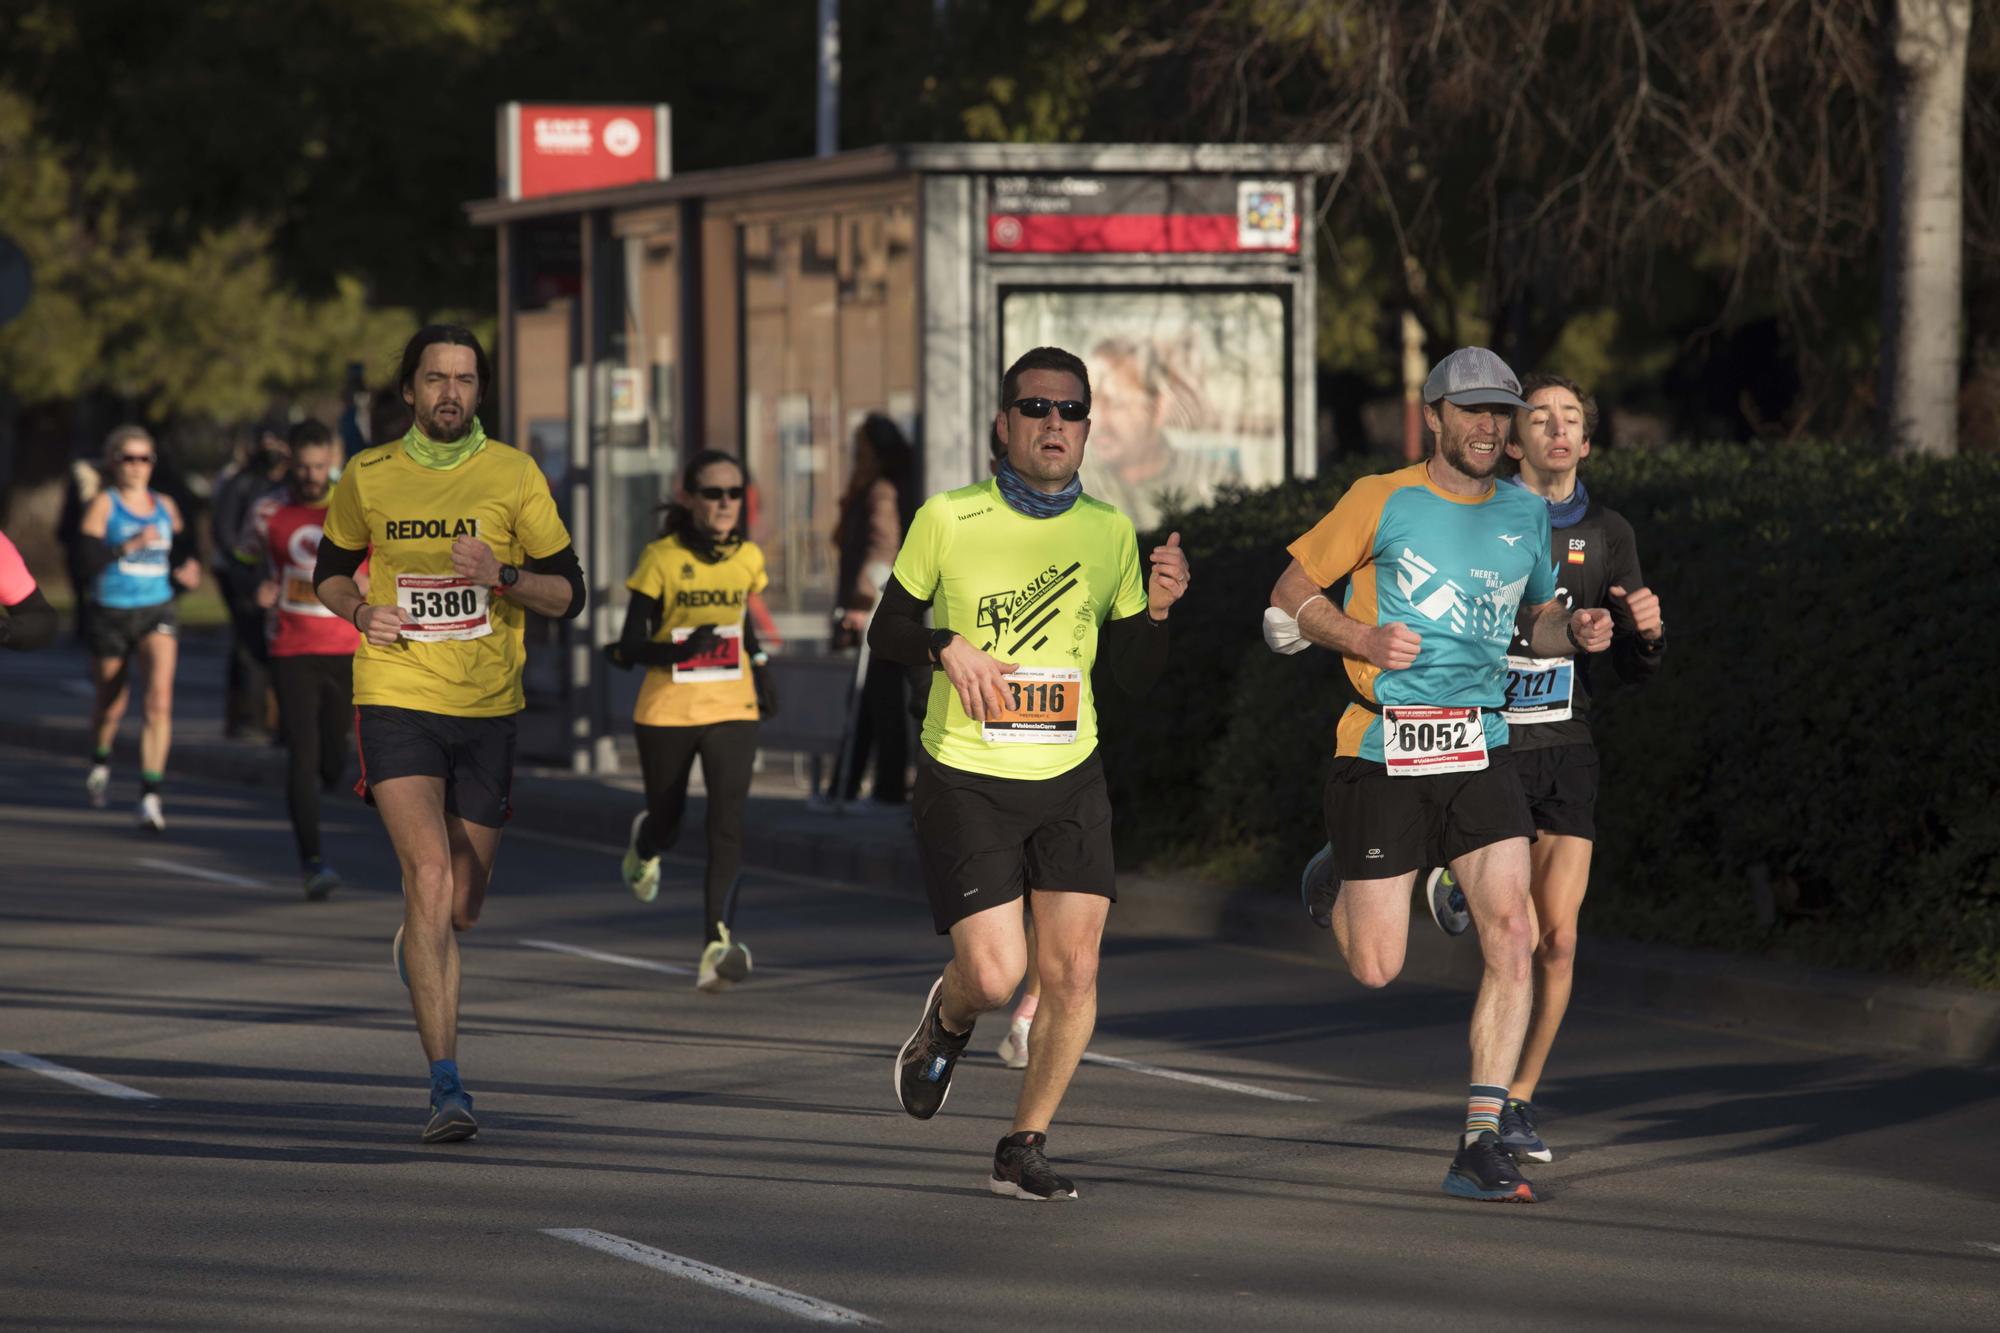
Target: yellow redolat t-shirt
1032, 591
716, 686
464, 656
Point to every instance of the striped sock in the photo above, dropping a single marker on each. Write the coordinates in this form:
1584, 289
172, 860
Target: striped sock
100, 754
149, 782
1482, 1111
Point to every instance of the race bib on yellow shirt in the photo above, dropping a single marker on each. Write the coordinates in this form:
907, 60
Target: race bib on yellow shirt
1420, 740
722, 661
1043, 707
444, 607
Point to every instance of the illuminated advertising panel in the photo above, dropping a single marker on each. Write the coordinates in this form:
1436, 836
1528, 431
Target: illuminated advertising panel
1187, 388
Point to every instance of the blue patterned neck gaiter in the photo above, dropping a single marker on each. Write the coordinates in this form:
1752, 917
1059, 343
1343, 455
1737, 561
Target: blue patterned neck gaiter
1025, 499
1564, 513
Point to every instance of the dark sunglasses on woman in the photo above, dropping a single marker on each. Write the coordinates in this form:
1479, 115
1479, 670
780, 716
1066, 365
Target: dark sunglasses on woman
719, 492
1037, 408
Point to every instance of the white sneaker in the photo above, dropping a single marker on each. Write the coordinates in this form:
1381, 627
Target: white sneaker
1014, 1046
642, 875
150, 817
98, 786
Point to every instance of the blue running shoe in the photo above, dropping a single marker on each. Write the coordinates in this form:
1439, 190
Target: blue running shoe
396, 952
1482, 1171
1319, 886
1447, 903
1518, 1136
451, 1115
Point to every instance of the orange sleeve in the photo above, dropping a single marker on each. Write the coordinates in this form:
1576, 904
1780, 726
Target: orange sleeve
1344, 540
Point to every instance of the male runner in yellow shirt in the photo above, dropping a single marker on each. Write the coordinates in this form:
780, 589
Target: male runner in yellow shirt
465, 540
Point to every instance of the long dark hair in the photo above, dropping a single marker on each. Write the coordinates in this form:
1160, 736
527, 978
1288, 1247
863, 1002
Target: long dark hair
453, 335
677, 519
894, 462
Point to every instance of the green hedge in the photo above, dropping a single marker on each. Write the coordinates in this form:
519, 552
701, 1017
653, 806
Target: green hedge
1810, 775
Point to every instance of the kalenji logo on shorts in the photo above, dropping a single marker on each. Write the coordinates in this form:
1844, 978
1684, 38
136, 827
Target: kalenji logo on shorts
417, 529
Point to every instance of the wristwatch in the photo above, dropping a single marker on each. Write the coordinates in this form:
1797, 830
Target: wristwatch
941, 640
509, 576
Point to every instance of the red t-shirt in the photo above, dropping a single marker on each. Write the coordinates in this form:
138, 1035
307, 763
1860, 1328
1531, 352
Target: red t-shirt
284, 538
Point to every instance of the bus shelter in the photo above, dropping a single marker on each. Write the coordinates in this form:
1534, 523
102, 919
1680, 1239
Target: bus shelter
765, 310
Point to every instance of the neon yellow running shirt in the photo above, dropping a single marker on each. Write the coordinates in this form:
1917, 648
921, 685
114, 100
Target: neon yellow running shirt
1031, 591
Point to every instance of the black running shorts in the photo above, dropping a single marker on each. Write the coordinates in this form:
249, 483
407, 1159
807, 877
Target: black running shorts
1560, 782
1381, 826
984, 841
474, 756
115, 631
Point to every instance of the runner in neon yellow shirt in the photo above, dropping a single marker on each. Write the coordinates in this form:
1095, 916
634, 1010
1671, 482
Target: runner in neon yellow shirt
1025, 577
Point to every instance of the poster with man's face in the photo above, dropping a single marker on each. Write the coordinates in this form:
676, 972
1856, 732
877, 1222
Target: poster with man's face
1187, 389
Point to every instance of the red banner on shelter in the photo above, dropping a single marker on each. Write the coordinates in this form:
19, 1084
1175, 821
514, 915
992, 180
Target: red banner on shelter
1141, 214
548, 148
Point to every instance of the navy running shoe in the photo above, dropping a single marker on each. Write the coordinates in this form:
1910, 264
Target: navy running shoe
1518, 1135
451, 1115
1447, 903
1319, 886
1483, 1171
924, 1065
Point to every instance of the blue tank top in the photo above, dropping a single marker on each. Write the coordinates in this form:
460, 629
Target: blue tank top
141, 578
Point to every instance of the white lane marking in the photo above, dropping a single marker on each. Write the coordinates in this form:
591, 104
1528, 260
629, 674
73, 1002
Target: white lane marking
623, 960
1984, 1245
749, 1288
782, 876
201, 872
1227, 1085
76, 1078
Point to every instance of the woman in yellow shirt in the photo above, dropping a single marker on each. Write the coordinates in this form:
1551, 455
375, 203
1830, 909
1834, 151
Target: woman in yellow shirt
688, 625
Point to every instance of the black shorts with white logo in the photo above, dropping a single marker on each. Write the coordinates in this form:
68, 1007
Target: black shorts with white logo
1560, 782
1381, 826
984, 841
473, 755
115, 631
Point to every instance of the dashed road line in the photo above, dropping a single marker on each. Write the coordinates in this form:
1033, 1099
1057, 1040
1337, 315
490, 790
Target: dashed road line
598, 955
76, 1078
1227, 1085
202, 872
708, 1275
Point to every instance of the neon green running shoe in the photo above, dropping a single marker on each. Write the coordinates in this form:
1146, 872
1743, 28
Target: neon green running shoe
642, 874
723, 963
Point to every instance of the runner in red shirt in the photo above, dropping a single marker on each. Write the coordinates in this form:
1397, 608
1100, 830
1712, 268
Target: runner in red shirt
312, 649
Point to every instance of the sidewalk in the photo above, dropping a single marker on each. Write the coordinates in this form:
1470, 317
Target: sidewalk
47, 707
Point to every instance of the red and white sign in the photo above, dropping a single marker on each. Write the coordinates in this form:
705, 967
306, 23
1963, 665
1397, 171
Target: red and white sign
549, 148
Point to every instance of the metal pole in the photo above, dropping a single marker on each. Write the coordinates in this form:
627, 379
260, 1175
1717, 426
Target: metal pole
829, 78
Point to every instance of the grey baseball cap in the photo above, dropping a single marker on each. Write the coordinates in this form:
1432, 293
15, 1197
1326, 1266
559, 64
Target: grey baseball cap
1473, 377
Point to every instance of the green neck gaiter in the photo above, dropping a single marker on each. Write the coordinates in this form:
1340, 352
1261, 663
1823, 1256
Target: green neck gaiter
423, 450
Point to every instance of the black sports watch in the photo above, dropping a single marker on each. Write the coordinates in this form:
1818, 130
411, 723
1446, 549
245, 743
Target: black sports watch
941, 640
509, 576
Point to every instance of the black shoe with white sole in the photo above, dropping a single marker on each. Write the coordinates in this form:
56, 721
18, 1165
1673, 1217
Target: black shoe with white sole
1020, 1171
1319, 886
924, 1065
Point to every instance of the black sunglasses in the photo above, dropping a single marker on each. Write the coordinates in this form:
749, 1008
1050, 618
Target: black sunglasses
1037, 408
719, 492
135, 458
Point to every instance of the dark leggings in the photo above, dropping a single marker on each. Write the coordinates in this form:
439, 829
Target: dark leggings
882, 726
315, 710
666, 754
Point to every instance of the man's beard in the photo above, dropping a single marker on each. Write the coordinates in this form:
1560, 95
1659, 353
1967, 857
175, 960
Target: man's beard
433, 430
1459, 456
307, 493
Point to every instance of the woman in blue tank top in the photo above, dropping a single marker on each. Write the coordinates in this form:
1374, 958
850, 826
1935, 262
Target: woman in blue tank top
139, 558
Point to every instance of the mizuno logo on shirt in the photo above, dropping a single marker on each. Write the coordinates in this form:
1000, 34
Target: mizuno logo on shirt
415, 529
1510, 540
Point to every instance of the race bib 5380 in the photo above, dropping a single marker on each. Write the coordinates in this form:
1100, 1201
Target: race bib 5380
443, 606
